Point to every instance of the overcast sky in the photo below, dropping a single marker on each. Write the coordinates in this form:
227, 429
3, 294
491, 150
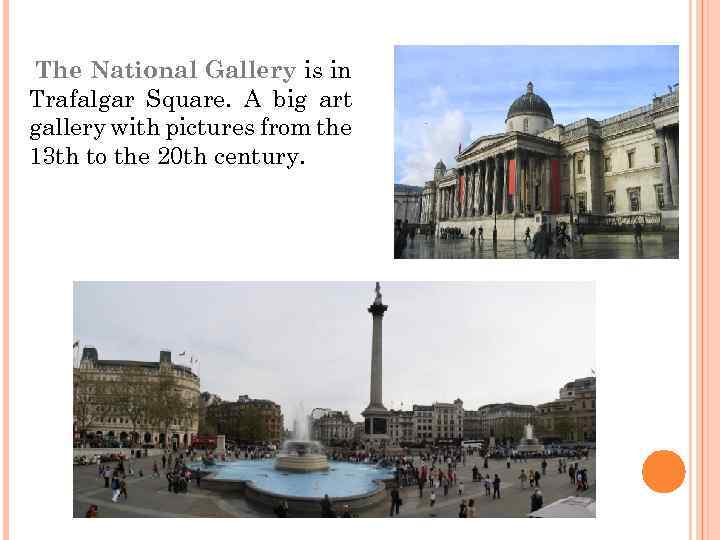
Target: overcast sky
310, 342
450, 95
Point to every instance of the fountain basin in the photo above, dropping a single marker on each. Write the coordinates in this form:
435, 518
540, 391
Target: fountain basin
301, 456
359, 485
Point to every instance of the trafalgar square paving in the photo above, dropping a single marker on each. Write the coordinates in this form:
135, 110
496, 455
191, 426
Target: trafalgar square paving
148, 495
598, 247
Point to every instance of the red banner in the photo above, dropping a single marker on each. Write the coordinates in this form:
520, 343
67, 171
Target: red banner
461, 189
511, 177
555, 186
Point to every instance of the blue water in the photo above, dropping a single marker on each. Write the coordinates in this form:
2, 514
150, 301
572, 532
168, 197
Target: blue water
340, 480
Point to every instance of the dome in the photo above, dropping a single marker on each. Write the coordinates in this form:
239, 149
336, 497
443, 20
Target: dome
440, 165
530, 104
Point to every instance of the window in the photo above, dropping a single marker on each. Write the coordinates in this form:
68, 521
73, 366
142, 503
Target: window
631, 159
608, 164
565, 170
580, 166
566, 204
525, 125
656, 153
511, 125
582, 209
634, 199
610, 202
659, 196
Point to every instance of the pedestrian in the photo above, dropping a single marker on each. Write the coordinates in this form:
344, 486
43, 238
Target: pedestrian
637, 234
571, 474
472, 234
432, 498
326, 509
523, 478
496, 486
281, 510
395, 501
544, 466
446, 486
471, 508
461, 487
532, 478
536, 501
156, 473
164, 461
115, 486
123, 489
537, 479
92, 511
480, 233
107, 474
463, 509
507, 462
487, 483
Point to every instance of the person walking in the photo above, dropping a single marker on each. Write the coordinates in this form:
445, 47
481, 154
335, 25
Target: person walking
537, 479
637, 234
523, 478
432, 498
571, 474
496, 486
544, 466
115, 486
107, 474
487, 483
480, 233
123, 489
164, 461
395, 501
507, 462
461, 488
463, 509
536, 501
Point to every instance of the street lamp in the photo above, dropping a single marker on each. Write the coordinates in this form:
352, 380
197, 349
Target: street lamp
494, 223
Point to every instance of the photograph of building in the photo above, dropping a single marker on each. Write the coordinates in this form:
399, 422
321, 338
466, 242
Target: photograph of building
603, 181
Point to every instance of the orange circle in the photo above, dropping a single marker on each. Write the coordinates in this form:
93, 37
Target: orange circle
663, 471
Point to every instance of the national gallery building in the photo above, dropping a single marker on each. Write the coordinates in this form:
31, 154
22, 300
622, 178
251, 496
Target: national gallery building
615, 171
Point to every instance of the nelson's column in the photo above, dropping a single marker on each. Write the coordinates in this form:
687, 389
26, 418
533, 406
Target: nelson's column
375, 414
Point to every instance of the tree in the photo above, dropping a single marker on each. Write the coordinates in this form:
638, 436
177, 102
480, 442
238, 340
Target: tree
131, 396
91, 401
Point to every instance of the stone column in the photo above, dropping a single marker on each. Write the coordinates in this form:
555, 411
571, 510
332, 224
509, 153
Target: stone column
377, 309
497, 186
517, 208
546, 184
505, 180
672, 161
488, 187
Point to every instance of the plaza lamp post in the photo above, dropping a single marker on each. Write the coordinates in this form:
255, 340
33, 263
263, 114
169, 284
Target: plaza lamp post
494, 224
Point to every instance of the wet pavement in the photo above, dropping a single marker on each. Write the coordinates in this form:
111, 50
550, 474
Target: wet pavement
592, 248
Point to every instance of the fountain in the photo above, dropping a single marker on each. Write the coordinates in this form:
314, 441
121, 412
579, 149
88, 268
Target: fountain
530, 444
301, 454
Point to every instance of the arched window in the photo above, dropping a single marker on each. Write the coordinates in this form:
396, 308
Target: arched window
525, 125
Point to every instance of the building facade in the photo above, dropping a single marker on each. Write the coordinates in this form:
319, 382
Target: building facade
247, 420
333, 427
505, 420
408, 203
619, 170
571, 417
126, 402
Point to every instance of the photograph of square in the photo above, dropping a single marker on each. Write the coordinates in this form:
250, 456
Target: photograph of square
339, 399
537, 152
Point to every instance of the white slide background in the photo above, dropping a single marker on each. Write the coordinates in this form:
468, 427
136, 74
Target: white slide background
327, 220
